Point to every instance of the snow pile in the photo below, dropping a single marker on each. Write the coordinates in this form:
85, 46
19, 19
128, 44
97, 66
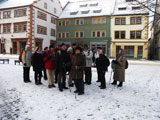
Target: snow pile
137, 100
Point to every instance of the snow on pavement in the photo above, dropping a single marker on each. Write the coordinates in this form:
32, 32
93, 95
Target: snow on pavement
139, 99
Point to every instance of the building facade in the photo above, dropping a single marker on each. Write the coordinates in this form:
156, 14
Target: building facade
154, 52
129, 29
86, 22
30, 22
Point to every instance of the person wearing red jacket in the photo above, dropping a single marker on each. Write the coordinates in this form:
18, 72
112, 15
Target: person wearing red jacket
50, 65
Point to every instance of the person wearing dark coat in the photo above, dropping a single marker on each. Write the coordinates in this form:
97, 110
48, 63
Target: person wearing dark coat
102, 63
63, 63
119, 72
78, 68
44, 69
37, 63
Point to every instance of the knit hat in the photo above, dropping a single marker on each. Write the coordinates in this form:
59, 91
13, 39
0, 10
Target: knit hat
78, 48
62, 44
69, 49
37, 48
51, 46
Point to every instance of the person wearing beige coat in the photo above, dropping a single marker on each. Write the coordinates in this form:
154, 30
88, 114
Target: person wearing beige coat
119, 73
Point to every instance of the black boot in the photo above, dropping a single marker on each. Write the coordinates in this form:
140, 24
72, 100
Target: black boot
120, 84
114, 82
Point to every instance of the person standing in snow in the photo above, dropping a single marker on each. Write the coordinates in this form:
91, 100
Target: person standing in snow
44, 69
26, 61
63, 63
88, 56
50, 66
37, 63
78, 67
119, 73
102, 63
70, 51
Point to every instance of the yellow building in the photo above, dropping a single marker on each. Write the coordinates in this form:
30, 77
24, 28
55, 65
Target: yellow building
129, 30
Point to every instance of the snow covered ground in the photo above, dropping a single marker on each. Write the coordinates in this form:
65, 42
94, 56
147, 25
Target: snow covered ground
139, 99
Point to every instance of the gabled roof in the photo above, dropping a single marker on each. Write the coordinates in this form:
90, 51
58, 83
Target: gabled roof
14, 3
88, 8
132, 8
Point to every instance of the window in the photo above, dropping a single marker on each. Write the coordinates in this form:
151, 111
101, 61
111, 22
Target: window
41, 30
97, 11
120, 34
55, 10
67, 35
79, 34
116, 34
136, 8
6, 28
42, 15
123, 21
6, 14
85, 5
45, 5
138, 34
85, 12
59, 35
59, 23
53, 32
53, 20
79, 21
135, 20
130, 0
63, 23
135, 34
101, 20
67, 22
95, 4
140, 51
120, 21
94, 21
99, 34
138, 21
117, 21
129, 51
124, 8
20, 27
73, 13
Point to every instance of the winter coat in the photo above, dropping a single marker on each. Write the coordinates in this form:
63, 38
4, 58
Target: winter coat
63, 61
102, 63
88, 56
119, 74
26, 58
49, 60
79, 61
37, 62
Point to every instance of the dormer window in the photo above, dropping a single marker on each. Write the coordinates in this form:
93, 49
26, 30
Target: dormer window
95, 4
85, 12
97, 11
123, 8
136, 8
73, 13
130, 0
85, 5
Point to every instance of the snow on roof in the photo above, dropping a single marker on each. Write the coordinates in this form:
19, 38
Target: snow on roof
129, 8
88, 8
15, 3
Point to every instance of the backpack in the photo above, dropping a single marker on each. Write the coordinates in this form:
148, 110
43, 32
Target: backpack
126, 65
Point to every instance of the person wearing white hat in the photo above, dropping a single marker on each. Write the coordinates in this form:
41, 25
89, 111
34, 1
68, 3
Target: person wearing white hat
26, 61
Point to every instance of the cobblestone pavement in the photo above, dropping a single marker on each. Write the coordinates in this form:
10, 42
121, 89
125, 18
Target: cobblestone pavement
10, 104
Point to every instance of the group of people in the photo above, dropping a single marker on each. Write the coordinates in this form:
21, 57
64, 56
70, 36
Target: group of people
75, 61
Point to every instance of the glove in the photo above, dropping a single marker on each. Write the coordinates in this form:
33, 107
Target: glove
24, 64
77, 67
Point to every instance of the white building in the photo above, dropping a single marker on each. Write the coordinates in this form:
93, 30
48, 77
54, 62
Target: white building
27, 22
129, 29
